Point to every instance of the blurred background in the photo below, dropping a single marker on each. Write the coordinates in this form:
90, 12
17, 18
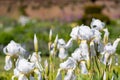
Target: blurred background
20, 19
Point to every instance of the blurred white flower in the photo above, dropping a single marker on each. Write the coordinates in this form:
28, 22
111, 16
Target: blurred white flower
63, 53
69, 43
92, 49
16, 73
53, 46
61, 43
70, 75
109, 48
70, 63
97, 24
26, 68
83, 67
35, 57
97, 35
84, 49
23, 20
8, 63
74, 33
82, 52
13, 50
62, 50
77, 55
100, 47
85, 33
23, 69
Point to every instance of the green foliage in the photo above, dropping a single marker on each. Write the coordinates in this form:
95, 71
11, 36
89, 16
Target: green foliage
87, 18
91, 9
6, 37
24, 34
94, 11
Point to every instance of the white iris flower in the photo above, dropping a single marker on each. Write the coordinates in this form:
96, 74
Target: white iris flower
74, 33
23, 68
97, 35
97, 24
13, 50
85, 33
26, 68
63, 53
70, 63
109, 50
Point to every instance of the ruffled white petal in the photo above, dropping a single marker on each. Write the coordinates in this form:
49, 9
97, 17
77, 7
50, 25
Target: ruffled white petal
69, 43
109, 48
96, 35
84, 49
97, 24
76, 55
24, 66
14, 49
62, 53
70, 63
74, 33
85, 33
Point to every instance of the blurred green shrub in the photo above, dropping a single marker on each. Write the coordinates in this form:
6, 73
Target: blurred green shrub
5, 37
87, 18
91, 9
94, 11
24, 34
